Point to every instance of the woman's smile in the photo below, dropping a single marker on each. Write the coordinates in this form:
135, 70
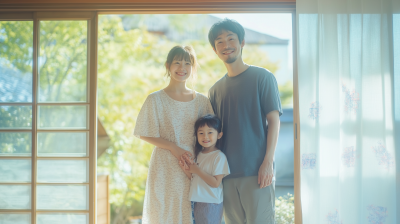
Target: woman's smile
180, 73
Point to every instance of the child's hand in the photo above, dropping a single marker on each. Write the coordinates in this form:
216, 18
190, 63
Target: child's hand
183, 165
187, 159
193, 168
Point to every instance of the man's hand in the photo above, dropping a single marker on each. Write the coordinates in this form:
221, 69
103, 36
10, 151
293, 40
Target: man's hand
265, 174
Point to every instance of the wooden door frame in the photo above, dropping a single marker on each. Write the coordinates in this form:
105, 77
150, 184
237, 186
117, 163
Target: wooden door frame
23, 10
91, 102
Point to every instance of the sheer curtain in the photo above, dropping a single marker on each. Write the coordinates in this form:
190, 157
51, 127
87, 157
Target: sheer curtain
346, 71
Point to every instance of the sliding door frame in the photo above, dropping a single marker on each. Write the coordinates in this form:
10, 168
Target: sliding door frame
91, 103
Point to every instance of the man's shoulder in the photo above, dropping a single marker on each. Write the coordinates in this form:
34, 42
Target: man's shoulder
217, 84
260, 71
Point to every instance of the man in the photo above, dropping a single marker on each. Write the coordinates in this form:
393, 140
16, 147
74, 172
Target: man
247, 101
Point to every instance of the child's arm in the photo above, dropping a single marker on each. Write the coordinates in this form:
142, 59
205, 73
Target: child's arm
213, 181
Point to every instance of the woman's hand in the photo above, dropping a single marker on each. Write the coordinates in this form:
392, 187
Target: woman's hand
164, 144
179, 152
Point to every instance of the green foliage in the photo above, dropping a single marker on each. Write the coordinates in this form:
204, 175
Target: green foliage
16, 45
15, 117
286, 92
20, 143
284, 209
63, 61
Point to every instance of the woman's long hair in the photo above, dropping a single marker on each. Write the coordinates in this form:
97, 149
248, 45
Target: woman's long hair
211, 121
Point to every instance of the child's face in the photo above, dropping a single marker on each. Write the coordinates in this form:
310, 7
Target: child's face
207, 137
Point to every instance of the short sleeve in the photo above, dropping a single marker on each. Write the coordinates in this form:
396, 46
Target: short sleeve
269, 94
147, 123
221, 165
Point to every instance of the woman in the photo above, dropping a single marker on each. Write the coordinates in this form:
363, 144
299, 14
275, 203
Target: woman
166, 120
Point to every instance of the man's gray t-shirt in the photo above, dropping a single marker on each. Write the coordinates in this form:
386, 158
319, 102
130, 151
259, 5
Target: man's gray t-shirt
242, 103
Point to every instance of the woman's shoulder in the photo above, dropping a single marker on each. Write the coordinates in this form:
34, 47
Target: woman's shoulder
202, 97
155, 95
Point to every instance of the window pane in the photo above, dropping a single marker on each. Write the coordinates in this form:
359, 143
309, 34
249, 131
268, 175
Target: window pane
15, 218
15, 143
62, 144
62, 171
62, 61
62, 218
63, 117
12, 170
15, 196
15, 117
16, 38
65, 197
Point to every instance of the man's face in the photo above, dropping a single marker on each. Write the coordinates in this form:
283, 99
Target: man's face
227, 46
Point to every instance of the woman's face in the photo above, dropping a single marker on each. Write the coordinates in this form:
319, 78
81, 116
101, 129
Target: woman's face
180, 70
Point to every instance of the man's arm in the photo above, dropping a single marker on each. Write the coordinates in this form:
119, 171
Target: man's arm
266, 171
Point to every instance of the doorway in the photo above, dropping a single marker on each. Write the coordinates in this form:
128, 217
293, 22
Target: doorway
132, 50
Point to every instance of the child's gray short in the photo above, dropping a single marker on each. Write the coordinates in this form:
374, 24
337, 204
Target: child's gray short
208, 213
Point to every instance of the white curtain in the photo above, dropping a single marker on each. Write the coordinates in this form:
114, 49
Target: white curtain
348, 101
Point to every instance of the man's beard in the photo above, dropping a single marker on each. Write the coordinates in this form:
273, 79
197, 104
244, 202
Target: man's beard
231, 60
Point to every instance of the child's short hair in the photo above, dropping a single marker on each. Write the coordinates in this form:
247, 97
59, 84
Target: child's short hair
211, 121
228, 25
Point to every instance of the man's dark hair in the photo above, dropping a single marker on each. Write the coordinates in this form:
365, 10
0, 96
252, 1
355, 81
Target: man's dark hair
227, 25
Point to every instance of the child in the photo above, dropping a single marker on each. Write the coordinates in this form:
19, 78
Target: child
207, 171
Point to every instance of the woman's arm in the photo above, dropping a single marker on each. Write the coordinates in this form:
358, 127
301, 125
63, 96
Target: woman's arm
213, 181
164, 144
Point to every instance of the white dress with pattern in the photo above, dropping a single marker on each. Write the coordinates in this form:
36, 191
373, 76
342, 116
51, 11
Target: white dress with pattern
167, 188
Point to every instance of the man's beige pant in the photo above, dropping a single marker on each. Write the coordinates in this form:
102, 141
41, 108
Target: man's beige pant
246, 203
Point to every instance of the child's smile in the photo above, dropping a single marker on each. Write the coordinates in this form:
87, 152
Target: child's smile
207, 136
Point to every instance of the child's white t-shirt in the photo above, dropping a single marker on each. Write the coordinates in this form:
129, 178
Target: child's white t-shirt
213, 163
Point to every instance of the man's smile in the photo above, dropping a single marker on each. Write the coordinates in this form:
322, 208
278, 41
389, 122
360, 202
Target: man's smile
228, 52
